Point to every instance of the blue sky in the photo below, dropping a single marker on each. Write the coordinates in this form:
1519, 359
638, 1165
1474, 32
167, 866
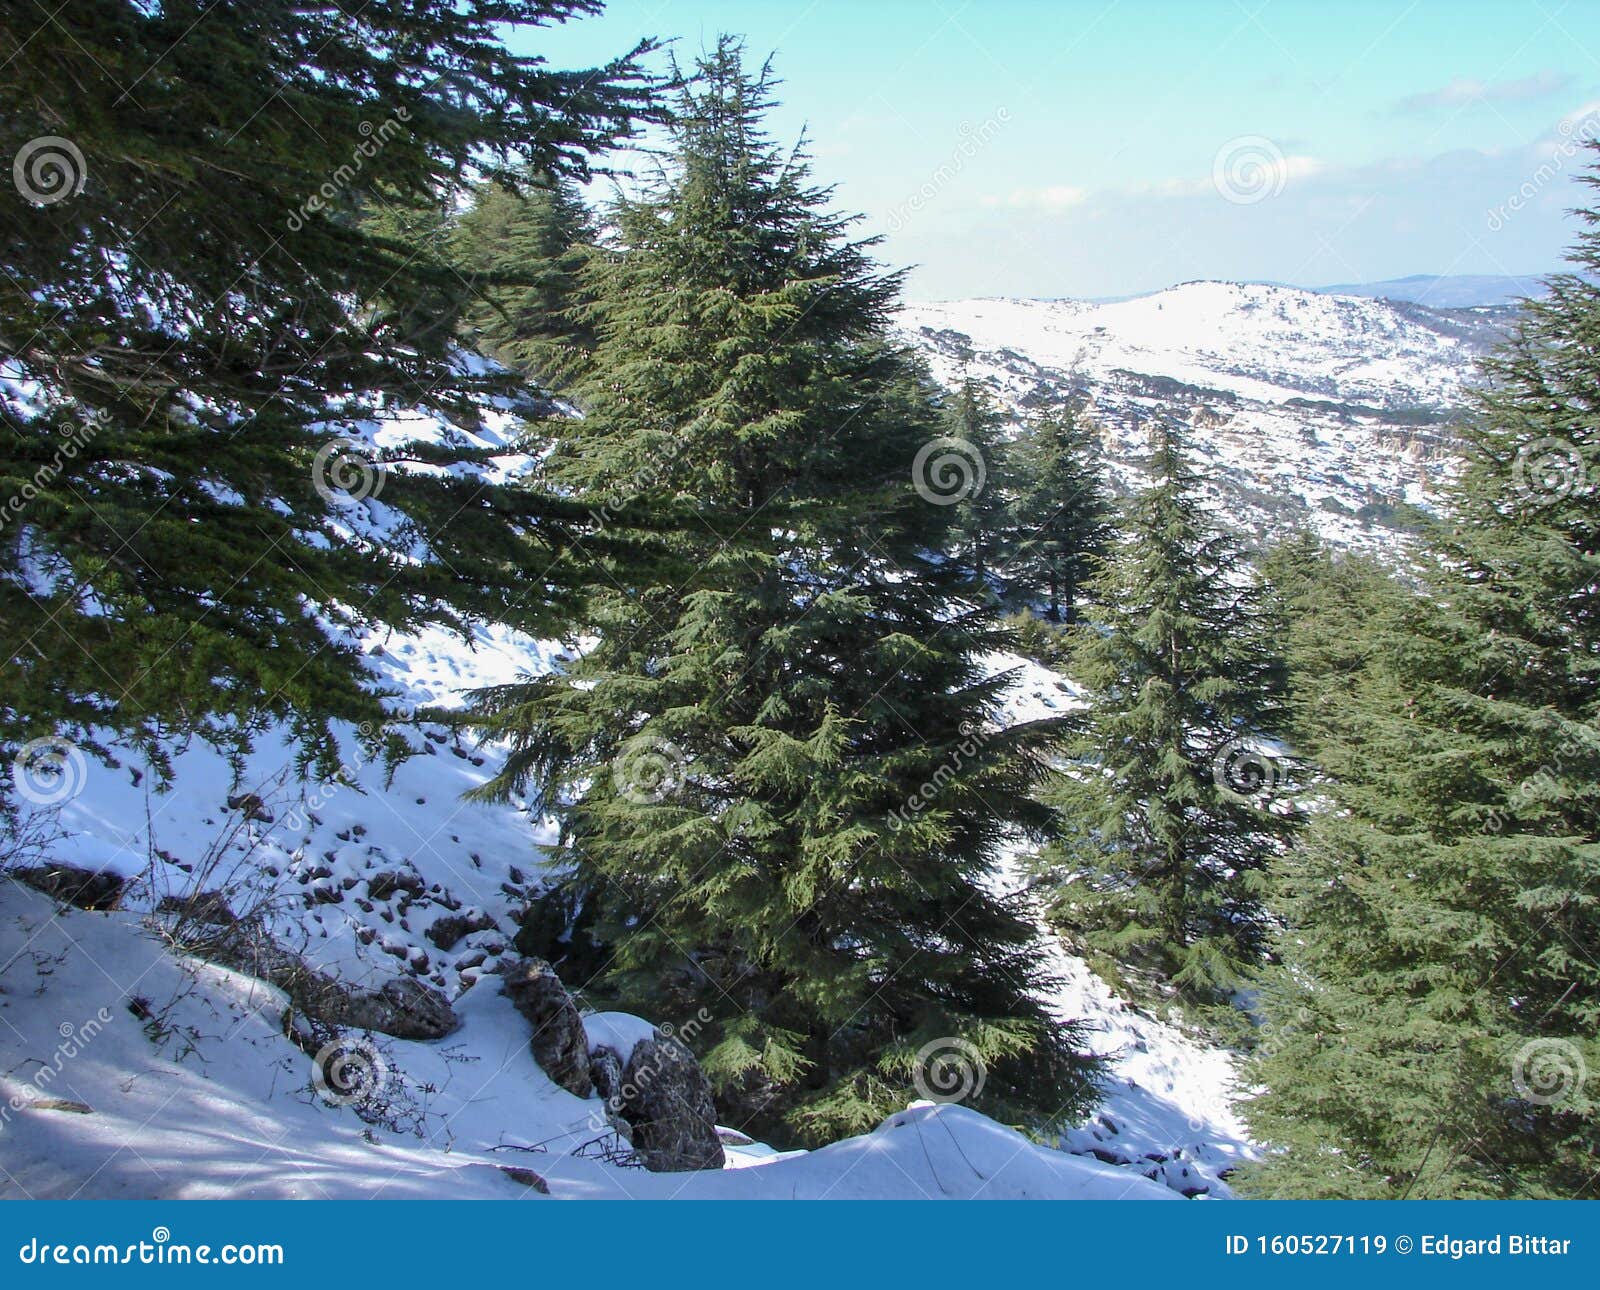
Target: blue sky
1018, 147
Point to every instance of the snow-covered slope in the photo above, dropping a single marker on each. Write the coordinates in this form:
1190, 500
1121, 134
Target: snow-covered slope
1305, 406
127, 1070
203, 1095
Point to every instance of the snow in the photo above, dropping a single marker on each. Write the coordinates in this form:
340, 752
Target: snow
621, 1032
370, 876
220, 1103
216, 1101
207, 1099
1305, 407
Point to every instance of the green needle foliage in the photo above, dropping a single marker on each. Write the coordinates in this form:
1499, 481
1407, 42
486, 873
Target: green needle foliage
1173, 808
783, 788
530, 243
1062, 517
194, 313
1434, 1027
984, 533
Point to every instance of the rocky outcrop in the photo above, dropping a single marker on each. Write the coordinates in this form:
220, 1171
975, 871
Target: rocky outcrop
664, 1099
402, 1007
71, 885
446, 932
558, 1042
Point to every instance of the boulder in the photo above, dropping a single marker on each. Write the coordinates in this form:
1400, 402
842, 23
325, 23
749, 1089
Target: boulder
665, 1099
447, 931
402, 1006
72, 885
392, 882
558, 1042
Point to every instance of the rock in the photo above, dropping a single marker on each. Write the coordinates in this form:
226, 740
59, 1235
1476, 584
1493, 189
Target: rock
558, 1042
605, 1073
403, 1007
71, 885
666, 1100
526, 1177
251, 805
447, 931
381, 886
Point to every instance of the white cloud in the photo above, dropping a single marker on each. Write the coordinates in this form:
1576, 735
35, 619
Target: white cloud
1464, 91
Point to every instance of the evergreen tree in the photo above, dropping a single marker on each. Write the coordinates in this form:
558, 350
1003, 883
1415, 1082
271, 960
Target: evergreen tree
1062, 516
530, 243
1436, 1018
781, 778
984, 529
190, 306
1175, 806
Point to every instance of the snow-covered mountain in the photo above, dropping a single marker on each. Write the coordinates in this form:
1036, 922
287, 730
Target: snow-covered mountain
1306, 407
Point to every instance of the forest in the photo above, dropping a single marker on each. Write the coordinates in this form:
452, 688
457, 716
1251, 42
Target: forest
1334, 812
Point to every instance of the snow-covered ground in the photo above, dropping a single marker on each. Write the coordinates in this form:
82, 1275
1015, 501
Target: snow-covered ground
204, 1097
202, 1094
127, 1070
1305, 407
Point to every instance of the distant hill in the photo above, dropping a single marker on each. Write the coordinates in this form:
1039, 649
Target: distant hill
1332, 410
1454, 291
